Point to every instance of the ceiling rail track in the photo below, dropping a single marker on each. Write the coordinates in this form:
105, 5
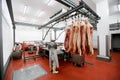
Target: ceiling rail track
82, 4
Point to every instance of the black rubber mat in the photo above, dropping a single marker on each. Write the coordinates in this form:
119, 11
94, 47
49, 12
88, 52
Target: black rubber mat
29, 73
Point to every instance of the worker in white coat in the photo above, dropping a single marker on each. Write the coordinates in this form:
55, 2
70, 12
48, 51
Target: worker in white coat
53, 57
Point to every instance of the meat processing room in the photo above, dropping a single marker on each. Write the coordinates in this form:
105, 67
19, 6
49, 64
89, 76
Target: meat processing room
59, 39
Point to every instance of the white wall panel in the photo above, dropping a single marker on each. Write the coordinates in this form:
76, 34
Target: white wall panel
114, 18
27, 34
7, 32
94, 39
103, 25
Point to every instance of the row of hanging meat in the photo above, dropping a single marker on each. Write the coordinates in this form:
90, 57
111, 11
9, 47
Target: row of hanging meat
78, 39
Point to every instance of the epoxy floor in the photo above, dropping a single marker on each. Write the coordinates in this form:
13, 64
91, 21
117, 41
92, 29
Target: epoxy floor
100, 70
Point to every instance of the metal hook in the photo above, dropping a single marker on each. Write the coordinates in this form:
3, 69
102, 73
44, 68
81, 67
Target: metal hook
78, 15
65, 22
75, 17
72, 19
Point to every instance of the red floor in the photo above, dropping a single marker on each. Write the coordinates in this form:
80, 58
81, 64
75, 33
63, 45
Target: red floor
100, 70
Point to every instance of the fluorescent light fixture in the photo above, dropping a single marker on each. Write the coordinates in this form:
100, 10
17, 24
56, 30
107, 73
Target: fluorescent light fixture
51, 2
64, 10
119, 7
41, 13
25, 9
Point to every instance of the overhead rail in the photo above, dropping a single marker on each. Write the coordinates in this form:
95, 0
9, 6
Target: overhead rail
72, 5
67, 3
33, 25
87, 13
82, 5
61, 16
56, 14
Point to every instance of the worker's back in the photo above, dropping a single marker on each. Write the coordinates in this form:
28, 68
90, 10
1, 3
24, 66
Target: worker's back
53, 45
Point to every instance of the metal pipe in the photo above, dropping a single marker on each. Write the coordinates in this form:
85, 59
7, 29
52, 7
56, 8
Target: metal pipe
26, 24
48, 31
59, 35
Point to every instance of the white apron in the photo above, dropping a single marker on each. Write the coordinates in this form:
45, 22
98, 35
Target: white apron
53, 58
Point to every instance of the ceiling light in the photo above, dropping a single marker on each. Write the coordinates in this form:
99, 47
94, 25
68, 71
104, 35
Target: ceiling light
51, 2
41, 13
118, 7
25, 9
64, 10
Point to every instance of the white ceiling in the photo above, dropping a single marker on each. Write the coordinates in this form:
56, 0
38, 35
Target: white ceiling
34, 7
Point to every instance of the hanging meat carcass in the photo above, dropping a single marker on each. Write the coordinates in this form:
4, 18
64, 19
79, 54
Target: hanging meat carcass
75, 37
79, 39
83, 36
72, 31
89, 31
67, 39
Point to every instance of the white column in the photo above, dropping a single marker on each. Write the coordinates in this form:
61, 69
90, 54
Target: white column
103, 28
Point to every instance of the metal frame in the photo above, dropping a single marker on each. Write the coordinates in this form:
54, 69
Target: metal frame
89, 9
77, 9
62, 16
9, 4
57, 19
1, 45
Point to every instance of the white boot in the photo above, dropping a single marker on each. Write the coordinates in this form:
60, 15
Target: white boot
54, 70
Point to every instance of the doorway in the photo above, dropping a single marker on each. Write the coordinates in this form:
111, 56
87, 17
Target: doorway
115, 42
